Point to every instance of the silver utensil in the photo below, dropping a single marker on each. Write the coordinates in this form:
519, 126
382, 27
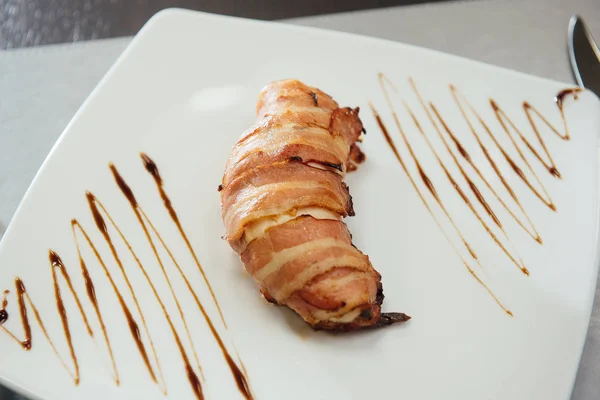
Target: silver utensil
584, 55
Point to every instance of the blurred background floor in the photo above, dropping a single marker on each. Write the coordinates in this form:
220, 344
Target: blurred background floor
25, 23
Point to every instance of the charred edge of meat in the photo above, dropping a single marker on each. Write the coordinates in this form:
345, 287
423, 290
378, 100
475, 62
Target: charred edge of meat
379, 298
315, 98
350, 202
338, 327
268, 297
364, 130
356, 154
387, 319
363, 321
337, 167
367, 314
360, 156
3, 316
220, 188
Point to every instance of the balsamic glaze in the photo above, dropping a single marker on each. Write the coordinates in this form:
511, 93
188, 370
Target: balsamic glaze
538, 189
239, 376
401, 161
103, 221
3, 304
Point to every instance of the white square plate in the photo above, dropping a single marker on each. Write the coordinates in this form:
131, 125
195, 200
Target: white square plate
183, 92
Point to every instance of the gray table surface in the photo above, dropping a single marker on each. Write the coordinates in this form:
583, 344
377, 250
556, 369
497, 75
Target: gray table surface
42, 87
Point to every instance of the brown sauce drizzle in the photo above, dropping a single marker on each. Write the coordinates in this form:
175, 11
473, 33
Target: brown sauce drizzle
153, 171
26, 343
508, 126
131, 322
400, 160
56, 263
424, 177
501, 116
91, 293
3, 305
514, 259
103, 220
239, 376
560, 101
531, 230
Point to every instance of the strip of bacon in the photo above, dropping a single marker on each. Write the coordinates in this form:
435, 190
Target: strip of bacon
274, 143
278, 189
283, 199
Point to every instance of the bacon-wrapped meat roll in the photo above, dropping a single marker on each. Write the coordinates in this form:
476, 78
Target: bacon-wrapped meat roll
283, 198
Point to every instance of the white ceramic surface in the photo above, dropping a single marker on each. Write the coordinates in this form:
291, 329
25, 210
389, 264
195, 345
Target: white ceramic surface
183, 92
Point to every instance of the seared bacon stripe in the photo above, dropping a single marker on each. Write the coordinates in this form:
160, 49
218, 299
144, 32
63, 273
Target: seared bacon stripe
277, 143
283, 199
278, 189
